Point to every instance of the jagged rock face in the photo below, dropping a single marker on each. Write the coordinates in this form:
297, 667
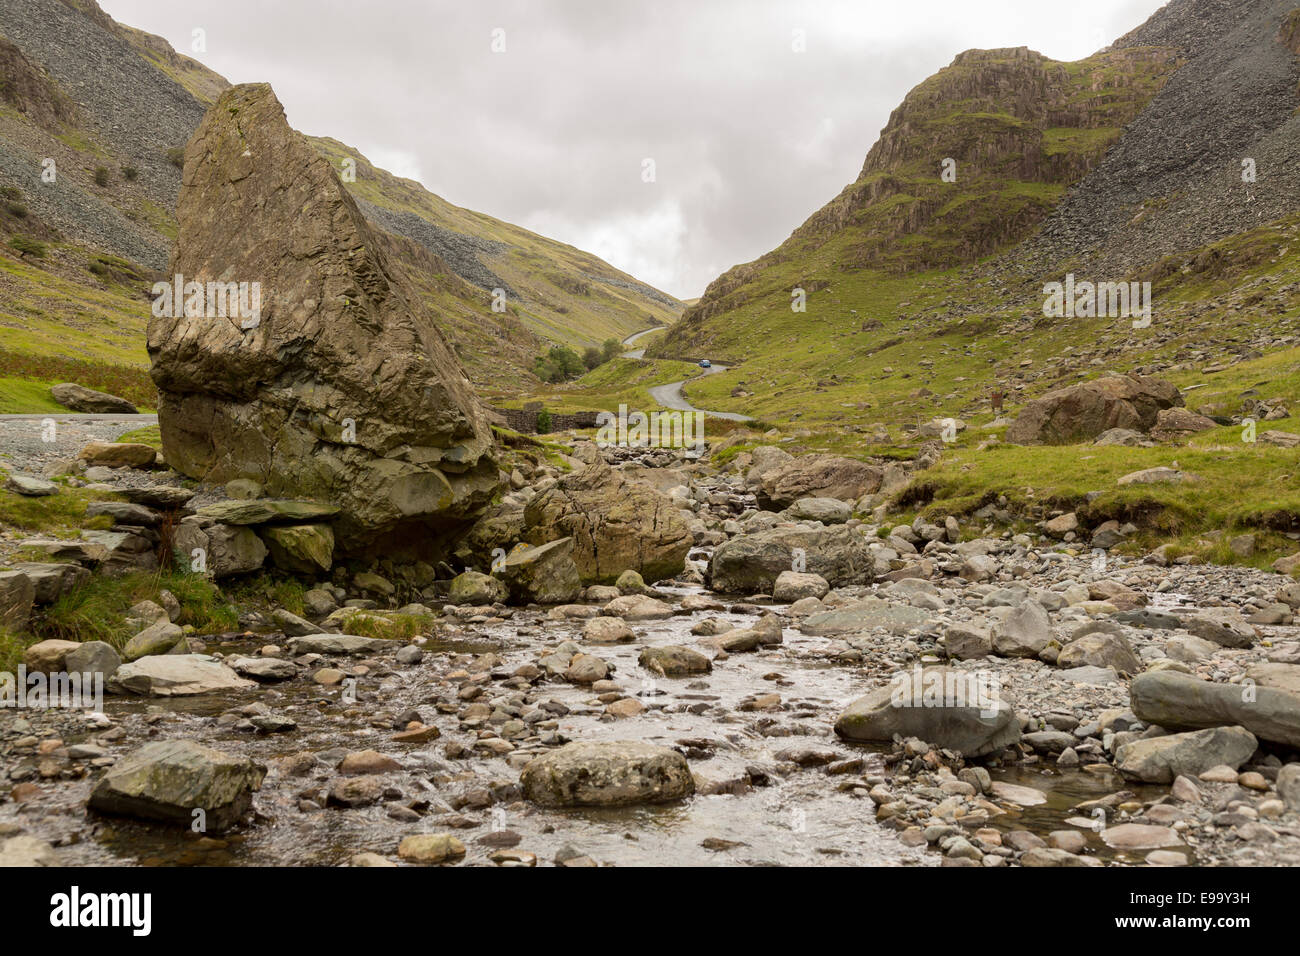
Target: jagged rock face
343, 391
1084, 411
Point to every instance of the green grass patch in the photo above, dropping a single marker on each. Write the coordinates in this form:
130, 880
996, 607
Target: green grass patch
97, 610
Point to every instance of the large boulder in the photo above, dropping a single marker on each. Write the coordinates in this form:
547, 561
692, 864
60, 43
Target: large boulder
338, 387
476, 588
615, 773
1162, 759
1079, 413
615, 525
1181, 702
818, 476
172, 779
940, 705
751, 563
542, 575
82, 399
224, 550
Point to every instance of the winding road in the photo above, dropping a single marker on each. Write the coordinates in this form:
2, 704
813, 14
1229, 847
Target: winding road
671, 395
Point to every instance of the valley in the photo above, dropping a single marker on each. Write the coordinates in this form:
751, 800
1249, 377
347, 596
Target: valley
989, 555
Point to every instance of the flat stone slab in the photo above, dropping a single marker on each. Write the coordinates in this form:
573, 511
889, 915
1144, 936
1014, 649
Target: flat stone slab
266, 511
178, 675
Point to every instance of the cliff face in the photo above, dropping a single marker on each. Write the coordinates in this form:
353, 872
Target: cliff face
1018, 128
330, 382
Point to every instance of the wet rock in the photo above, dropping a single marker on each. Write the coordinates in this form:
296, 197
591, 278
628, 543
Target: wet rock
171, 779
630, 582
368, 762
607, 630
1161, 759
586, 669
1051, 856
1139, 836
607, 774
673, 660
26, 851
940, 705
337, 644
264, 670
430, 848
353, 792
637, 607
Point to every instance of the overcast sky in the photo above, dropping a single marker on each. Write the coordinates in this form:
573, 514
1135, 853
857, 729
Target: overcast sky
748, 137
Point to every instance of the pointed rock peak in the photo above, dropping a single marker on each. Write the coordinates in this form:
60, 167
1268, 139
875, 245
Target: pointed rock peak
287, 348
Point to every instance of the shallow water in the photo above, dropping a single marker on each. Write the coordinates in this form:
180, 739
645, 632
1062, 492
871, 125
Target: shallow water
796, 820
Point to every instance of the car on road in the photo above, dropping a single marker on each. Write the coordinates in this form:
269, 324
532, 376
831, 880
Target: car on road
705, 363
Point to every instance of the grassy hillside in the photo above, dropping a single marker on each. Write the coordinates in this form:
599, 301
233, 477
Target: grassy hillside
108, 222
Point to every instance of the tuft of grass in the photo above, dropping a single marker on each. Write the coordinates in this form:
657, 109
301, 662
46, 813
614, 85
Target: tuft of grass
52, 513
96, 611
386, 625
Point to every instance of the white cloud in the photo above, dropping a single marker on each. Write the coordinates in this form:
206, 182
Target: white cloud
750, 137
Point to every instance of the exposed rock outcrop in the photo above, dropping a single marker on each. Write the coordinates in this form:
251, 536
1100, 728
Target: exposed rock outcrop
335, 386
1082, 412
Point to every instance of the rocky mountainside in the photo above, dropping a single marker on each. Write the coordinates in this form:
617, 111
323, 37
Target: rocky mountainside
1130, 165
113, 107
1012, 128
1174, 181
